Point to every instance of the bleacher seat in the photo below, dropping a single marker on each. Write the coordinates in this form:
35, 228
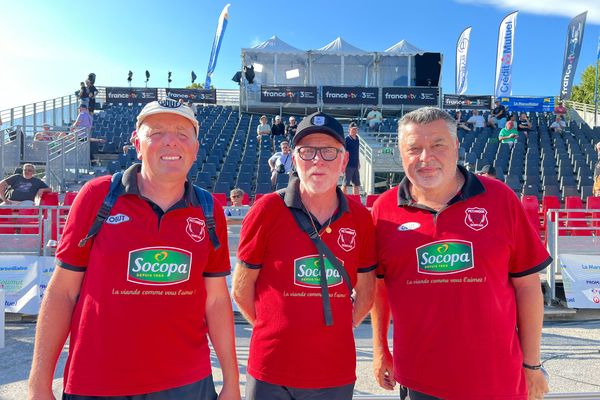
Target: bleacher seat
574, 202
593, 203
371, 199
221, 198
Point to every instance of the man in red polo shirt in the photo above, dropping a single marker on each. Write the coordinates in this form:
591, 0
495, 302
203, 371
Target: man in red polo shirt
302, 344
460, 264
140, 297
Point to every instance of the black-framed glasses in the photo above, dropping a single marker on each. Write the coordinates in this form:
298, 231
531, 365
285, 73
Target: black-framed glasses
308, 153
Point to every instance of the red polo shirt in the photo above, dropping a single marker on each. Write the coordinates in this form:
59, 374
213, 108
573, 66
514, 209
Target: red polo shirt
290, 345
448, 276
138, 326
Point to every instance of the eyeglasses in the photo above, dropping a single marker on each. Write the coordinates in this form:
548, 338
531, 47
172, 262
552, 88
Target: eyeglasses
308, 153
234, 196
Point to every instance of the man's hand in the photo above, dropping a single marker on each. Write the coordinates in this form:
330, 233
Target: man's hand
230, 393
536, 384
44, 395
383, 369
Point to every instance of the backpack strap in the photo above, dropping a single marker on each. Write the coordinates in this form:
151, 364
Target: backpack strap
114, 191
207, 203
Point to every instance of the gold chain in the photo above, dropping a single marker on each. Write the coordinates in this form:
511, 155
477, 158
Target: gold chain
327, 229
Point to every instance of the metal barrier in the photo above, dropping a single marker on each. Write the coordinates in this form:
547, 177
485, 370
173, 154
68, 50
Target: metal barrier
67, 159
558, 224
10, 149
58, 112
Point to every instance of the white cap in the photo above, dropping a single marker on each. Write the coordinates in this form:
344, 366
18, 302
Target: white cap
167, 106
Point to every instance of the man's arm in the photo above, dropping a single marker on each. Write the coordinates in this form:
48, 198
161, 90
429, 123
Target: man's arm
3, 187
363, 297
530, 318
219, 319
380, 322
53, 325
243, 292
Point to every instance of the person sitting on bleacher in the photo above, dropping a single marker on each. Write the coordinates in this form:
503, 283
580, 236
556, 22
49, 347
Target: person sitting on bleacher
498, 116
460, 124
508, 134
237, 209
281, 162
84, 119
262, 129
22, 188
560, 109
524, 124
558, 126
374, 118
290, 129
476, 121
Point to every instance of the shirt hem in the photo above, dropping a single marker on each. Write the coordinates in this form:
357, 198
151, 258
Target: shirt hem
292, 382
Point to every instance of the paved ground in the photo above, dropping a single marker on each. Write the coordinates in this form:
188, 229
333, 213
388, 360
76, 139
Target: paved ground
570, 351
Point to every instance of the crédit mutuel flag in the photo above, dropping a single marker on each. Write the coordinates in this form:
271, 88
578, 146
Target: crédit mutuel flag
462, 50
504, 59
572, 50
214, 53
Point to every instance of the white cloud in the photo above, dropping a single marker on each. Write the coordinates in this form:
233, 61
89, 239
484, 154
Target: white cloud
546, 7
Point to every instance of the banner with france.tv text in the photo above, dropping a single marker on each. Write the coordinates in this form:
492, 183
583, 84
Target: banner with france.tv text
462, 50
194, 95
350, 95
130, 95
504, 59
572, 50
581, 280
453, 101
524, 104
410, 96
288, 94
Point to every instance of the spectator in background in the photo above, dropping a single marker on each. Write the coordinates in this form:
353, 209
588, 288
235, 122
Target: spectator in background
45, 135
560, 109
281, 162
278, 129
596, 189
351, 173
193, 107
84, 119
460, 124
498, 117
558, 126
374, 118
488, 171
262, 129
524, 125
476, 121
290, 129
22, 188
92, 92
509, 134
237, 209
131, 144
83, 95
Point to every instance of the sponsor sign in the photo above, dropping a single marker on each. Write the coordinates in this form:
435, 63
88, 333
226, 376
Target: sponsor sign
19, 277
504, 59
581, 280
572, 50
194, 95
462, 51
159, 266
525, 104
130, 95
410, 96
453, 101
445, 257
288, 94
307, 272
349, 95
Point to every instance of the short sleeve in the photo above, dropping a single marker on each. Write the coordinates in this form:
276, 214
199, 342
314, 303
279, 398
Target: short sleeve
218, 262
529, 255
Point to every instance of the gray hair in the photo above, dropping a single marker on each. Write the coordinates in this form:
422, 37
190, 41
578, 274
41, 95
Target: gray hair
236, 191
424, 116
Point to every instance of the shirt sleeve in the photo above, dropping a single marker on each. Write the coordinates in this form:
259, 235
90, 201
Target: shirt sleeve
255, 233
528, 254
218, 262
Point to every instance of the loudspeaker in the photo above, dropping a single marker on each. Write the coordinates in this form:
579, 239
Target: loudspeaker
428, 69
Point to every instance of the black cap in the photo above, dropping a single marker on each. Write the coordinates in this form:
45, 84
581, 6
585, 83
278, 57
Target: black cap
319, 123
353, 125
488, 169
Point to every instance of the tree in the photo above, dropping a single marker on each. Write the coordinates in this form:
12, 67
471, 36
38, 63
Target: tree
584, 92
197, 86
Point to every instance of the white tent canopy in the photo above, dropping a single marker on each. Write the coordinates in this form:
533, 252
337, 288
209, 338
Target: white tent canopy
275, 45
340, 46
404, 48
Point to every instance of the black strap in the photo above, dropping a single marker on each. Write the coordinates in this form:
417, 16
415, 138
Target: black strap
207, 203
302, 219
114, 191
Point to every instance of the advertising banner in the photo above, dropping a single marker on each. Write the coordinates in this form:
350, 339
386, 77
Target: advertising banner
216, 47
504, 59
581, 280
525, 104
410, 96
130, 95
350, 95
453, 101
462, 50
194, 95
288, 94
19, 279
572, 50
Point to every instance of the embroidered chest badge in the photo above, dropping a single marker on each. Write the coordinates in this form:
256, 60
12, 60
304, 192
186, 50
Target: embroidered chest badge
195, 229
347, 239
476, 218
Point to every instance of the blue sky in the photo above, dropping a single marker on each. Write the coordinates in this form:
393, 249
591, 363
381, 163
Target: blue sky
48, 47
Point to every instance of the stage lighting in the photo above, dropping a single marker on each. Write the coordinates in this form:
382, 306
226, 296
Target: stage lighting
292, 73
129, 76
193, 77
169, 77
237, 77
92, 77
249, 73
147, 76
